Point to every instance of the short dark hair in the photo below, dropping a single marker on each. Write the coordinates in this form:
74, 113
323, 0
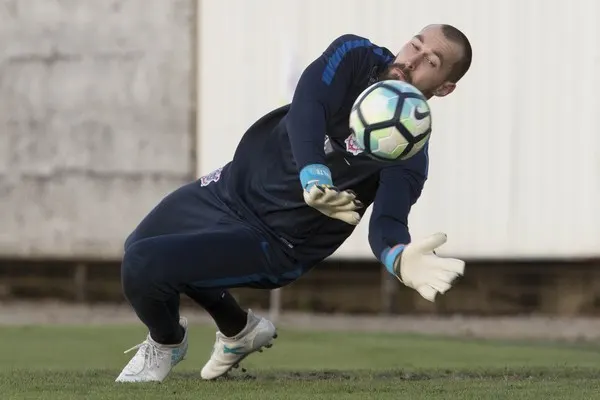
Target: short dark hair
461, 67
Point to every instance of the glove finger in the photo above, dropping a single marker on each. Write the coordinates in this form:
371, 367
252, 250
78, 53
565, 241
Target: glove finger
308, 198
341, 199
347, 196
445, 276
440, 285
430, 243
349, 217
313, 195
437, 263
453, 265
329, 195
442, 280
352, 206
427, 292
321, 195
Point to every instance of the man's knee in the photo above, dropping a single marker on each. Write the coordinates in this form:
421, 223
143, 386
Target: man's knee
139, 277
130, 240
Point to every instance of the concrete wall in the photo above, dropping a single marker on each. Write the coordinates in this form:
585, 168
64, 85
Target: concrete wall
96, 120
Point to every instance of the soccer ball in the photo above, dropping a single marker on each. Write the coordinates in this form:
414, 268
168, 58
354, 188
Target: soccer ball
391, 120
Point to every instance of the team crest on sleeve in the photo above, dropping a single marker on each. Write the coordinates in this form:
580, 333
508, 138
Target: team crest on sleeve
211, 177
352, 145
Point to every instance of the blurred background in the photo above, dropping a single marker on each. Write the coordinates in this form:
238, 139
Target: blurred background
107, 106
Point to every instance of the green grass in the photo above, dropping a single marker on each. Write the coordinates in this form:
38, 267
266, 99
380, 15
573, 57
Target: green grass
64, 363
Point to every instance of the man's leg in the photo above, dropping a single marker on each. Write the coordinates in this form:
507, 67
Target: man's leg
239, 334
173, 306
156, 270
166, 346
224, 309
189, 209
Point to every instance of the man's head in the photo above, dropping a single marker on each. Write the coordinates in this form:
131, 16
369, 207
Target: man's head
433, 61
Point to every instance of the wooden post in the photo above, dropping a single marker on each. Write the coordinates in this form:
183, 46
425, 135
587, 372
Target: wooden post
275, 304
389, 289
80, 282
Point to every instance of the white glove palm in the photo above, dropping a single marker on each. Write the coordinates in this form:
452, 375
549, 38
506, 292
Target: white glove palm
420, 269
334, 203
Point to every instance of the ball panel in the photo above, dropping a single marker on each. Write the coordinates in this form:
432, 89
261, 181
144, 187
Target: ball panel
356, 124
387, 143
364, 94
402, 87
357, 127
416, 148
412, 89
379, 105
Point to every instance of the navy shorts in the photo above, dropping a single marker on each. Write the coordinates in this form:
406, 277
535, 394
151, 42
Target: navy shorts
193, 239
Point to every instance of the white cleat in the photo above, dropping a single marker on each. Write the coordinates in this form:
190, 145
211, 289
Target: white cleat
229, 352
153, 361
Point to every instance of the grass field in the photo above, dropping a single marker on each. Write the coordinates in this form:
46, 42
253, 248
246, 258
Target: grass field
54, 362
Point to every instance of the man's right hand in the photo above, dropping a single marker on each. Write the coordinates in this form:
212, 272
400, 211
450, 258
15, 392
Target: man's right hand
320, 194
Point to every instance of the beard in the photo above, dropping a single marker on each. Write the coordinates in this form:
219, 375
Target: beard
396, 71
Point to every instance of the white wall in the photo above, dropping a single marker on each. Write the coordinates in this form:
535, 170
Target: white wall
514, 169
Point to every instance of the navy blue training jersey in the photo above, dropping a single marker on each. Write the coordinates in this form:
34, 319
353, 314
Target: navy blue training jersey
262, 182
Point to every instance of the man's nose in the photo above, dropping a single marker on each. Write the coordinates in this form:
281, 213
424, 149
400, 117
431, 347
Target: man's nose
412, 61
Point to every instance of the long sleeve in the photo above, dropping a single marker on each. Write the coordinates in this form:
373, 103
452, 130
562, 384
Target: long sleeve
399, 188
319, 94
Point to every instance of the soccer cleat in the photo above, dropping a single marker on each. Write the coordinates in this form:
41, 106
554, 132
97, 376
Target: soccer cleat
153, 361
229, 352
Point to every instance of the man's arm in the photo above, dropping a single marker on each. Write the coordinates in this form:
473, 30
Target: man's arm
320, 92
399, 188
414, 263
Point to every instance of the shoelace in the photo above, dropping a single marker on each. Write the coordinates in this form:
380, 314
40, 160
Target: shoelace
152, 354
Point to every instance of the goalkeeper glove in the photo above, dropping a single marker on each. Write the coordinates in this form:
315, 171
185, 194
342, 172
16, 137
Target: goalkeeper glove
417, 266
320, 194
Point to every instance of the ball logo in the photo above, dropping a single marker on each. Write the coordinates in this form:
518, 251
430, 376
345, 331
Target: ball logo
421, 120
211, 177
352, 145
417, 114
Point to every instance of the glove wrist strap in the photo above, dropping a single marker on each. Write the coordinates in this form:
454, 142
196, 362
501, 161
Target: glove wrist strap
389, 257
315, 174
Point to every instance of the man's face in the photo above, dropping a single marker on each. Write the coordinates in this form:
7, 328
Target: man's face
426, 62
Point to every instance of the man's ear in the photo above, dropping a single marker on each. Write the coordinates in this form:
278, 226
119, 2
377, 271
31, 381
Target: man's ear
444, 89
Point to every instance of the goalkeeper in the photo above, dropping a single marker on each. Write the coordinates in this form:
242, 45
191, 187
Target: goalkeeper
293, 193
